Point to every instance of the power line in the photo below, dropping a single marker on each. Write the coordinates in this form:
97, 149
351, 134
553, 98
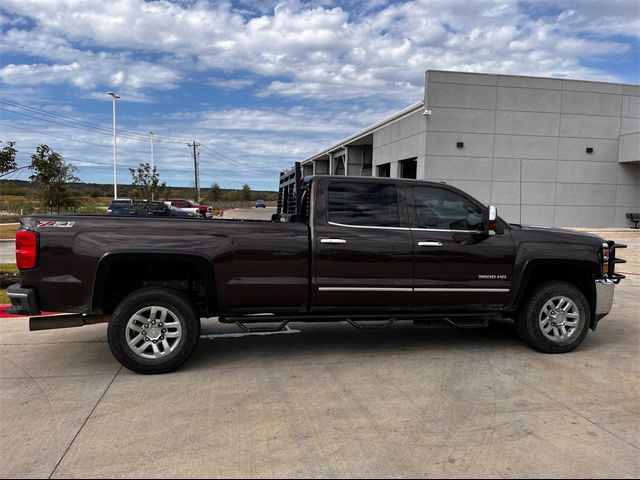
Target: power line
237, 162
65, 121
129, 150
83, 124
70, 123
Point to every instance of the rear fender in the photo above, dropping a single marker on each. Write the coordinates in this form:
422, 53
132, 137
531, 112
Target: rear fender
109, 260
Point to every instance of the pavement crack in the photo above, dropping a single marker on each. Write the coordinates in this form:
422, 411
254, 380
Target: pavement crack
84, 423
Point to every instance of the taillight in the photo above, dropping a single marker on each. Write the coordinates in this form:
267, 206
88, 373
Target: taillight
26, 249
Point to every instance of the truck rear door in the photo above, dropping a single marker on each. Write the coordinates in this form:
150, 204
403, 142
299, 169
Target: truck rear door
363, 253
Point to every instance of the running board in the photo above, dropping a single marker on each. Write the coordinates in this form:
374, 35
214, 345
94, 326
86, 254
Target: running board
382, 321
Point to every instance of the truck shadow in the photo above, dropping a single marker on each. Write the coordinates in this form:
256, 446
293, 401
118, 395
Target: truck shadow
340, 342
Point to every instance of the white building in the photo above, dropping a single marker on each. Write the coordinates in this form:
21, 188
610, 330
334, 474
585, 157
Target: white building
545, 151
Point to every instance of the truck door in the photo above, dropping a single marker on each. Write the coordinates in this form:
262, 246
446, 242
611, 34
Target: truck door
363, 254
456, 263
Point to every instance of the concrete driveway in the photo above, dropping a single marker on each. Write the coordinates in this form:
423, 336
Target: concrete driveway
328, 401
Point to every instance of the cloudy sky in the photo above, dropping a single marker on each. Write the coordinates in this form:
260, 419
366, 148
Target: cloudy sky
264, 83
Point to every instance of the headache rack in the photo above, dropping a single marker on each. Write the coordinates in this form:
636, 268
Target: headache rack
291, 196
612, 261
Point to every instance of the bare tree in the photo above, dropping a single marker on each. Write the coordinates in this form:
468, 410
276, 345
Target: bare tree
146, 183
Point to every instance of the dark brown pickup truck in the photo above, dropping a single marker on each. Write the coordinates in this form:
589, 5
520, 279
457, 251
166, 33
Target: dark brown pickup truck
368, 251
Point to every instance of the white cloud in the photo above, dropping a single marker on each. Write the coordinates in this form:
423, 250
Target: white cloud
315, 51
345, 64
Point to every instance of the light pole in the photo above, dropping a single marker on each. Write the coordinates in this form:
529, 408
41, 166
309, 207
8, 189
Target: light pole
152, 164
114, 96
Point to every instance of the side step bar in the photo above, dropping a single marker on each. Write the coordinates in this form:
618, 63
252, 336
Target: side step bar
368, 322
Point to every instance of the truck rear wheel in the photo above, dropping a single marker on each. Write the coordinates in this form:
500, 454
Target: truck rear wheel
153, 330
555, 319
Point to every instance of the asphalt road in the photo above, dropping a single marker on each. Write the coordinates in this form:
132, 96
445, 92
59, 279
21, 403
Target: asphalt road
328, 401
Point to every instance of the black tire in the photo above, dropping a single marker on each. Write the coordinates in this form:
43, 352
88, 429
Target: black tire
528, 322
179, 310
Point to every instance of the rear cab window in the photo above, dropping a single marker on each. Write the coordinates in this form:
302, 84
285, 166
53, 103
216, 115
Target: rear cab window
363, 204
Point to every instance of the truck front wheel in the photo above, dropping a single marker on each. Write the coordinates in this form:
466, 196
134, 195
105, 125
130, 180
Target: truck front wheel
555, 319
153, 330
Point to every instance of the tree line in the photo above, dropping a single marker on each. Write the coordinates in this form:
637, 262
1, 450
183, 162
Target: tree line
55, 184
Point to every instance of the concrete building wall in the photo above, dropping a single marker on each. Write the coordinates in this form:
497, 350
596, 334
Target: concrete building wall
545, 151
525, 145
400, 140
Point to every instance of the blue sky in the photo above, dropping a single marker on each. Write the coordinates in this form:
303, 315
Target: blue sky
262, 84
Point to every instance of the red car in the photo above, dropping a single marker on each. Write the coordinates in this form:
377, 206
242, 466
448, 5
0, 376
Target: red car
190, 206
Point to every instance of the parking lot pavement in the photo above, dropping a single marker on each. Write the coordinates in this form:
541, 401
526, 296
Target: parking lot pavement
328, 401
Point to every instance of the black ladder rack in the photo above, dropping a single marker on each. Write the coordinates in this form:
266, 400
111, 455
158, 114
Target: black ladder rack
290, 191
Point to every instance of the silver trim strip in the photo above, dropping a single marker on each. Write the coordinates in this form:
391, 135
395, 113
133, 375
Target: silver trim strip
332, 240
367, 226
414, 229
21, 295
483, 290
364, 289
404, 289
429, 244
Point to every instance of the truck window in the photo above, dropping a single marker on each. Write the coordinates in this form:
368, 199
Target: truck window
364, 204
438, 208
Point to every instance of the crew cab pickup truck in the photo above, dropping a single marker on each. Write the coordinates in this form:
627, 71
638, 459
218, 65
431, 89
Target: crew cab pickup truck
367, 251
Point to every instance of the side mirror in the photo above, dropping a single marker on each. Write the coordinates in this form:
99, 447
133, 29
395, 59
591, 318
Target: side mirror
491, 224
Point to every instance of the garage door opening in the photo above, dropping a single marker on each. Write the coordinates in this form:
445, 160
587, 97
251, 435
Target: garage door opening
409, 168
384, 170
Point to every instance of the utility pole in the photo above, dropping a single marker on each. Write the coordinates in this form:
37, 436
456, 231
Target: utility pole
152, 162
195, 145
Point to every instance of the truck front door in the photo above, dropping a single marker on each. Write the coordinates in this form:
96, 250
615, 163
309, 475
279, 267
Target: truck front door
456, 263
363, 254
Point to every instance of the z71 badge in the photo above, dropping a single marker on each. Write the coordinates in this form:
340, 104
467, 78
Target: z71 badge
51, 223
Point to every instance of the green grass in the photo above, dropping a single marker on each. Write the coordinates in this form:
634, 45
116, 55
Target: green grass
9, 268
8, 232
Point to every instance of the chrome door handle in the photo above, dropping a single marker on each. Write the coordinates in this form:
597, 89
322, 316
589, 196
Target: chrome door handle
332, 240
429, 244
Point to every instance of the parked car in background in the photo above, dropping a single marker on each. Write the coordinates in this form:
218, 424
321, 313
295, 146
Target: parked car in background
120, 207
260, 204
130, 208
190, 206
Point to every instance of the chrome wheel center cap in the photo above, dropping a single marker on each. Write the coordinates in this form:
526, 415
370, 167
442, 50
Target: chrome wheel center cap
154, 333
561, 319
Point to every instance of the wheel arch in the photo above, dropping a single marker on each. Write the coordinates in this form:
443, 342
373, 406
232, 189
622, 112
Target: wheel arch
579, 273
111, 263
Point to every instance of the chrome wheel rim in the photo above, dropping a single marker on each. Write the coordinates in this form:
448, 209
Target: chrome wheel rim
560, 320
153, 332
